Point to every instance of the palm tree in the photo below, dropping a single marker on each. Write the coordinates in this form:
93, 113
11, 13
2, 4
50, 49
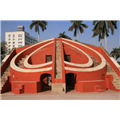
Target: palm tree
100, 32
77, 25
37, 24
104, 26
115, 53
62, 35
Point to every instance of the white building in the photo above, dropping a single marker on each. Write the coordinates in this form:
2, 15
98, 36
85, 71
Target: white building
19, 38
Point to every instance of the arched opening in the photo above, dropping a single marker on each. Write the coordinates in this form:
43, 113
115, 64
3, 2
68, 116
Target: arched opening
46, 81
70, 81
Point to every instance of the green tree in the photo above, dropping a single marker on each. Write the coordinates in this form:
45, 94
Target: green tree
62, 35
37, 24
115, 53
102, 27
118, 62
78, 26
76, 40
99, 32
3, 49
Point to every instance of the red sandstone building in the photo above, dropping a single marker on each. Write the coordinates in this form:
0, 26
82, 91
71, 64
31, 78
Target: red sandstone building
59, 65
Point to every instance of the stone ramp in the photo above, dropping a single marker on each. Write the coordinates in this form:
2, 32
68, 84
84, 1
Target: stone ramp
4, 76
58, 63
95, 61
58, 88
116, 79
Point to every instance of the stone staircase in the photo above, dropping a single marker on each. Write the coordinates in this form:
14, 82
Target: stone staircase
4, 76
116, 79
20, 63
95, 62
58, 64
58, 88
20, 87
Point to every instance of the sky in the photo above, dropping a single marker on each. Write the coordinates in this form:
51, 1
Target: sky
55, 27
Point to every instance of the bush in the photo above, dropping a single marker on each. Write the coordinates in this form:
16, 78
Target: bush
118, 62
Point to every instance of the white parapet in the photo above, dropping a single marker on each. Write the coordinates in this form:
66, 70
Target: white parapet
6, 57
115, 62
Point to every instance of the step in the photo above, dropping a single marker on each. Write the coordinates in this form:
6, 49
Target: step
58, 89
59, 92
118, 82
58, 84
100, 90
26, 56
20, 86
116, 79
3, 80
97, 87
23, 58
117, 87
17, 91
2, 84
6, 74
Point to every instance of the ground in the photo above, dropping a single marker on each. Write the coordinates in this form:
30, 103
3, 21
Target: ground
71, 95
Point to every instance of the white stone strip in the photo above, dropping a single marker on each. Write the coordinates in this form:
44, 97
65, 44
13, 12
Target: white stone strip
90, 62
92, 81
6, 57
12, 63
115, 62
102, 64
26, 64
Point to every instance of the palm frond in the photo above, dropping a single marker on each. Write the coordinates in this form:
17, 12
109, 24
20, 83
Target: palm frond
94, 22
36, 27
114, 24
95, 34
44, 22
81, 29
71, 28
32, 24
85, 26
75, 32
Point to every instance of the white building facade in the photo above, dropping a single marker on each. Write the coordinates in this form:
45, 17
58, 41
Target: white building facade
19, 38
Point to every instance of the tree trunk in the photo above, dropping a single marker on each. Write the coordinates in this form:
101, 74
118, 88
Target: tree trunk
38, 35
100, 42
105, 40
78, 34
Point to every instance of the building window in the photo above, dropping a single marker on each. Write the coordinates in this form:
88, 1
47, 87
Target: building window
20, 39
48, 58
9, 39
9, 35
9, 46
9, 42
19, 45
67, 58
13, 42
13, 35
13, 39
19, 42
13, 45
20, 35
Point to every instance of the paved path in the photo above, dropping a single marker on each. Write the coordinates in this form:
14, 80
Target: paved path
72, 95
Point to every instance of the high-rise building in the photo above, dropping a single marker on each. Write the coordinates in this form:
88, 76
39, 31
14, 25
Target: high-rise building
19, 38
